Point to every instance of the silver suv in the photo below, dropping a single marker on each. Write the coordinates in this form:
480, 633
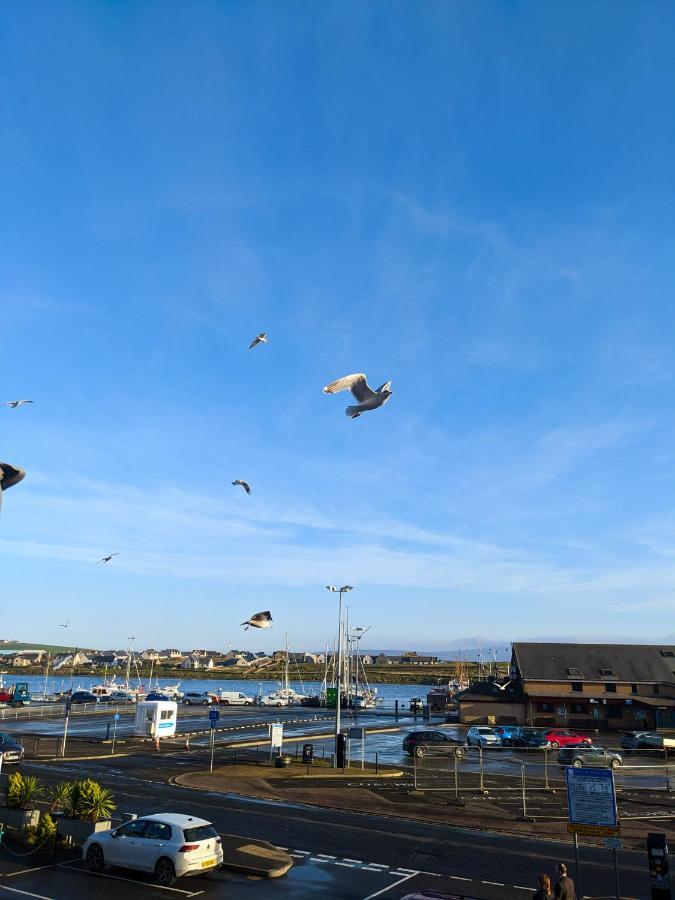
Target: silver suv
588, 755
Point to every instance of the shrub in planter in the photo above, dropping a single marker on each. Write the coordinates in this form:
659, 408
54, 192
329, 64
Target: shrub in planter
21, 794
88, 808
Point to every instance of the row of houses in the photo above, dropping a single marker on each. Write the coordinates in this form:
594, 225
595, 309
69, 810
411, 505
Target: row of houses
608, 687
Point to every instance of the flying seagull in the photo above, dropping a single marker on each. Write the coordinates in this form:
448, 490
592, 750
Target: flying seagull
106, 559
367, 397
258, 339
9, 476
246, 486
259, 620
65, 624
502, 687
15, 403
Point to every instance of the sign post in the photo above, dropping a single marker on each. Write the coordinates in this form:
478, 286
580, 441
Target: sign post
591, 810
116, 719
358, 732
276, 738
69, 703
214, 715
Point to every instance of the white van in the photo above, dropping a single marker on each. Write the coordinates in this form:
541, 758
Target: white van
234, 698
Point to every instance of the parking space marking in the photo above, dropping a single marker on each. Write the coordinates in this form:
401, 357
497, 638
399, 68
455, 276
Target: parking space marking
159, 887
391, 886
356, 862
25, 893
26, 871
345, 864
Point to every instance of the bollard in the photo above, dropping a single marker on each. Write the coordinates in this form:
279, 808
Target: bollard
396, 709
376, 770
107, 731
156, 743
482, 785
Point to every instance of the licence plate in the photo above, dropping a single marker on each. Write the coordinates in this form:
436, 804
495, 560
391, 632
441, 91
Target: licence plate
207, 863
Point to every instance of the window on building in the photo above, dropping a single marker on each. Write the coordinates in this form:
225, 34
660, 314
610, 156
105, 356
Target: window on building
607, 673
577, 686
545, 707
633, 688
613, 711
656, 689
579, 708
573, 670
610, 688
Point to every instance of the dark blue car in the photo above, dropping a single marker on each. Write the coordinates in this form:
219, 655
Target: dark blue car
156, 695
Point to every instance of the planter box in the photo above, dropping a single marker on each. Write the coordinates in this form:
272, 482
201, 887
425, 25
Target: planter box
79, 831
19, 818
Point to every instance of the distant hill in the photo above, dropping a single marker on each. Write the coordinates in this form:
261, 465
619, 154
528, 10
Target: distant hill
18, 646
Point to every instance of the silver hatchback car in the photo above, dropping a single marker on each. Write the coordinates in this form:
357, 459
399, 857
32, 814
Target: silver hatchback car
483, 736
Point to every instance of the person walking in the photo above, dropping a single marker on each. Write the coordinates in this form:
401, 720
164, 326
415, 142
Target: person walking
564, 886
544, 891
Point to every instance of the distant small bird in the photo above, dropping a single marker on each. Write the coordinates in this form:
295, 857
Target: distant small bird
259, 620
65, 624
9, 476
259, 339
15, 403
367, 397
246, 486
106, 559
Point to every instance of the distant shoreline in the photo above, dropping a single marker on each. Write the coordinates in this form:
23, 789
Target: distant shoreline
394, 674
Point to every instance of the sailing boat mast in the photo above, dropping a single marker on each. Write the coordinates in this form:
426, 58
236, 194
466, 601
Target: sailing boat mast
129, 652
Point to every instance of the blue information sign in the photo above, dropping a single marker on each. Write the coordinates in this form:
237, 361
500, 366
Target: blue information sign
214, 715
116, 717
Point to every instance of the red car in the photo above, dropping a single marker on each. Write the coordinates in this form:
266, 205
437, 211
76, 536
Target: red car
563, 737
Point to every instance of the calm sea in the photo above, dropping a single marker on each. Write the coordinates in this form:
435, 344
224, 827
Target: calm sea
387, 692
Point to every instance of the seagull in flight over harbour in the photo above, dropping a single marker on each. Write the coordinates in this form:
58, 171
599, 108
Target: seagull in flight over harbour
15, 403
259, 620
65, 624
106, 559
366, 396
9, 476
246, 486
258, 339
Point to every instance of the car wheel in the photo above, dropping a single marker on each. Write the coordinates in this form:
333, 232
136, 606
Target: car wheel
95, 859
460, 752
278, 704
421, 752
615, 763
577, 764
246, 703
227, 702
165, 873
555, 745
205, 702
188, 702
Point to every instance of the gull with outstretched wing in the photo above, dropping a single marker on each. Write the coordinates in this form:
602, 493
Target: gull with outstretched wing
361, 390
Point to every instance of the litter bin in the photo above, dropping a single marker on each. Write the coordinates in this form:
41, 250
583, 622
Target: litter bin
282, 762
307, 754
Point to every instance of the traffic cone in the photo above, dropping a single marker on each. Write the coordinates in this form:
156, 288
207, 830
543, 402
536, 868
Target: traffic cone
156, 743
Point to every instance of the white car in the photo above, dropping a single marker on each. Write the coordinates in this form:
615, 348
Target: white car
168, 844
275, 700
482, 736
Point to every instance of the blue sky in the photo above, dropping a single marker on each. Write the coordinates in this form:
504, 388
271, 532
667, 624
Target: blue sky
473, 200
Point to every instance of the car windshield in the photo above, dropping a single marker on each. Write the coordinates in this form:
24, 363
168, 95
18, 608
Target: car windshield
199, 833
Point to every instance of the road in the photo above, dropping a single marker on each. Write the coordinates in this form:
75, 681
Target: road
337, 854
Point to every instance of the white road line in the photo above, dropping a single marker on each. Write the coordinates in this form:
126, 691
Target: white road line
373, 869
303, 852
495, 883
326, 856
401, 869
26, 871
458, 877
390, 888
298, 855
345, 864
25, 893
158, 887
357, 861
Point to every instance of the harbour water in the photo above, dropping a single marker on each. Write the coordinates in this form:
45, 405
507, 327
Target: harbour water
387, 692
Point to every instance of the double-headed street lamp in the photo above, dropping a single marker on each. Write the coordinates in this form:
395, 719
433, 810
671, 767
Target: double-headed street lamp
342, 590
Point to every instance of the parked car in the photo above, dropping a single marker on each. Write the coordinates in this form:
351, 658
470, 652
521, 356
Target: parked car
275, 700
170, 845
563, 737
84, 697
11, 750
122, 697
482, 736
529, 738
419, 743
634, 740
196, 698
233, 698
588, 755
506, 733
416, 704
157, 695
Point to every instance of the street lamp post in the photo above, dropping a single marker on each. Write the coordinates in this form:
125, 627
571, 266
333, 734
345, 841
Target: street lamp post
342, 590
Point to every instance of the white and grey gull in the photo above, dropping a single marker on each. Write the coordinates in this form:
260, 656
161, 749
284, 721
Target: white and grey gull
367, 397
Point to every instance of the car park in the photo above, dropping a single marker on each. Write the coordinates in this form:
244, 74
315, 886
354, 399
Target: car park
11, 751
483, 736
84, 697
170, 845
588, 755
196, 698
420, 743
563, 737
